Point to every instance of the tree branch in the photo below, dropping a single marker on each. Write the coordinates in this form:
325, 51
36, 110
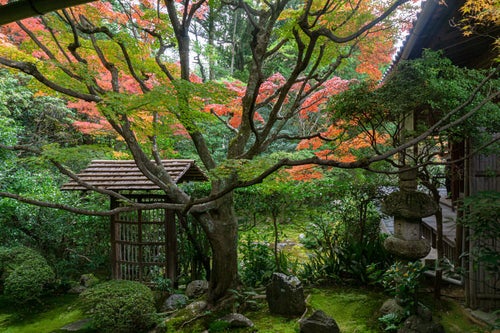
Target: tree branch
31, 69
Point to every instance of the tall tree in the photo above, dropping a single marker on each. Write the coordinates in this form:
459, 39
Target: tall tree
131, 62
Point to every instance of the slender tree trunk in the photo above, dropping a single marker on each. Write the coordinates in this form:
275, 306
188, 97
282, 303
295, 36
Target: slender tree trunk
211, 44
233, 41
276, 234
439, 241
439, 248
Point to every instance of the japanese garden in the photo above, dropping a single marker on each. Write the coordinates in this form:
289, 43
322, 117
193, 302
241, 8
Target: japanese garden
250, 166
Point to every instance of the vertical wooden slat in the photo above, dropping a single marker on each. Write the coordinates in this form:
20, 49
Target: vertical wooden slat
171, 240
115, 272
139, 258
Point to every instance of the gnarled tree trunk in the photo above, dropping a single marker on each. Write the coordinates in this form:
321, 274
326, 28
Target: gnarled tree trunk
221, 228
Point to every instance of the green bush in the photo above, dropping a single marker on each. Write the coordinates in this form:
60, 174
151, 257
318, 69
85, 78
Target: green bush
403, 280
24, 274
119, 306
337, 255
257, 263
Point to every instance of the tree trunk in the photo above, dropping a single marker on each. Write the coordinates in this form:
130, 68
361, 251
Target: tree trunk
439, 241
276, 235
222, 233
440, 256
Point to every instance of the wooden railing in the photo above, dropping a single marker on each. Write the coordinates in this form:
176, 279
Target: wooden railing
449, 247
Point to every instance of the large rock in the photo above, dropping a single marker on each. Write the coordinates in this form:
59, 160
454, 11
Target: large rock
285, 295
196, 288
174, 302
319, 322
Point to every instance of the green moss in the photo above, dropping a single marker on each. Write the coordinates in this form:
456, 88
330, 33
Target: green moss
266, 322
53, 316
354, 310
454, 318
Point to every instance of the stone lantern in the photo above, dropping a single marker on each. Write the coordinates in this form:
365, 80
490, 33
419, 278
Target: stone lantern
408, 206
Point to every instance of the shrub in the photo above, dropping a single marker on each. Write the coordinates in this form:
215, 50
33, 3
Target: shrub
403, 280
337, 255
119, 306
26, 274
257, 263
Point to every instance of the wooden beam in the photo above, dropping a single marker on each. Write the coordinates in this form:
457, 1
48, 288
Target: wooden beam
21, 9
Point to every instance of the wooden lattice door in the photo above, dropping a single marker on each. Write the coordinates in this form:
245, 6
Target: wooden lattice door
143, 242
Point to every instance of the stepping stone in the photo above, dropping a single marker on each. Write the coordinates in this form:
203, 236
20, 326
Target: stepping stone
76, 326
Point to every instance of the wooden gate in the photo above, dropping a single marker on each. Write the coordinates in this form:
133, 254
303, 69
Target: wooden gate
143, 242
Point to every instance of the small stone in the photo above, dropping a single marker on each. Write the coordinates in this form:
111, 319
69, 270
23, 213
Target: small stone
392, 306
196, 288
88, 280
417, 324
319, 322
77, 290
76, 326
174, 302
237, 320
197, 307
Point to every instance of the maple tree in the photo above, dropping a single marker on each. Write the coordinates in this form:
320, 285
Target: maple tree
481, 17
127, 66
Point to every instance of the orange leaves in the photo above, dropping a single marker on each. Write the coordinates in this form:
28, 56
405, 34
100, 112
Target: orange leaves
102, 127
16, 35
269, 87
87, 108
195, 78
233, 110
339, 145
313, 144
375, 51
319, 98
305, 172
95, 123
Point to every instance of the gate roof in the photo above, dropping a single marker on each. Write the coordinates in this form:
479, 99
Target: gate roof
125, 175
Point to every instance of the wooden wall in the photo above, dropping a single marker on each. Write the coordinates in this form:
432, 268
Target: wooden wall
483, 289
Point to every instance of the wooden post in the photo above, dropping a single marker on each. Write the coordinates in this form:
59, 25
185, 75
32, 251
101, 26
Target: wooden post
171, 238
115, 272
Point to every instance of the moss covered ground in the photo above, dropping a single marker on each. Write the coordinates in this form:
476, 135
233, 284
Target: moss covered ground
354, 309
48, 316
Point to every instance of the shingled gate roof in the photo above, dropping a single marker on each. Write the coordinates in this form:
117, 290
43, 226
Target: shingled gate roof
125, 175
